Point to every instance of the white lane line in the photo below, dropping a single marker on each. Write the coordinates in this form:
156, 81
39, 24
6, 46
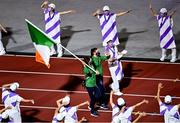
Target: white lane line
86, 110
84, 92
67, 74
148, 62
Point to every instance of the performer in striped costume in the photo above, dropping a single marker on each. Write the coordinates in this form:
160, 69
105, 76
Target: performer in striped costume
123, 114
68, 113
2, 50
11, 99
108, 24
52, 25
3, 114
165, 24
115, 66
170, 112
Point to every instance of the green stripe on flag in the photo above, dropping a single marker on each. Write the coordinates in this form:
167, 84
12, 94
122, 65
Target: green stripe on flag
38, 36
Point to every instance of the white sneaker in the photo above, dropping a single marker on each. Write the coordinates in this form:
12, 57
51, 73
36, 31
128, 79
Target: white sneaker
173, 60
60, 55
118, 93
2, 52
162, 58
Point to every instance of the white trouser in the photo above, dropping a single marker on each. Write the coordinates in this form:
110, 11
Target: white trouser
58, 48
1, 46
173, 53
115, 84
14, 115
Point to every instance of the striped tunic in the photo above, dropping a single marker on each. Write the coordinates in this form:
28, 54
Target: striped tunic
108, 28
170, 113
114, 54
126, 116
52, 25
166, 35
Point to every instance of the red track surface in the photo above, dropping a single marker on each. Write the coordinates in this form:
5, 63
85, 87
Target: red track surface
140, 79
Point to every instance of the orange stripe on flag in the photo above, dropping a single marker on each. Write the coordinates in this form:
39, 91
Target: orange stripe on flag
40, 59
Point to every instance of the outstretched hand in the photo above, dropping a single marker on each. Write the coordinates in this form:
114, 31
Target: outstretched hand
160, 86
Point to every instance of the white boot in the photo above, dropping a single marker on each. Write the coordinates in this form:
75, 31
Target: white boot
2, 52
53, 51
59, 50
163, 56
118, 93
173, 54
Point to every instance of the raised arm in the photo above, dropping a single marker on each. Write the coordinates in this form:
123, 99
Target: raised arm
140, 115
67, 12
172, 13
7, 85
140, 103
82, 104
111, 99
158, 92
44, 4
152, 10
3, 28
28, 100
123, 13
4, 109
96, 13
58, 102
83, 119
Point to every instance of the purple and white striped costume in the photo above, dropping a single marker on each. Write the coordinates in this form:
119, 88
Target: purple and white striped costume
166, 35
126, 116
115, 67
108, 28
11, 99
52, 27
1, 118
115, 113
69, 113
170, 113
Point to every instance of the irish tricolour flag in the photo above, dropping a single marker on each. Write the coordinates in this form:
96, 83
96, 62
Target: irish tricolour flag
42, 43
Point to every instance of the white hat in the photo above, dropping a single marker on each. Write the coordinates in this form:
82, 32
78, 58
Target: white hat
14, 86
120, 101
52, 5
163, 10
168, 99
66, 100
4, 115
106, 8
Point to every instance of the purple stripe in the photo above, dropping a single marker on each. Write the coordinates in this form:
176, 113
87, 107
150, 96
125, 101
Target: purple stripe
4, 98
47, 20
105, 21
74, 116
109, 31
162, 23
53, 27
130, 118
165, 33
57, 35
163, 112
115, 37
169, 43
14, 103
118, 69
12, 94
176, 115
